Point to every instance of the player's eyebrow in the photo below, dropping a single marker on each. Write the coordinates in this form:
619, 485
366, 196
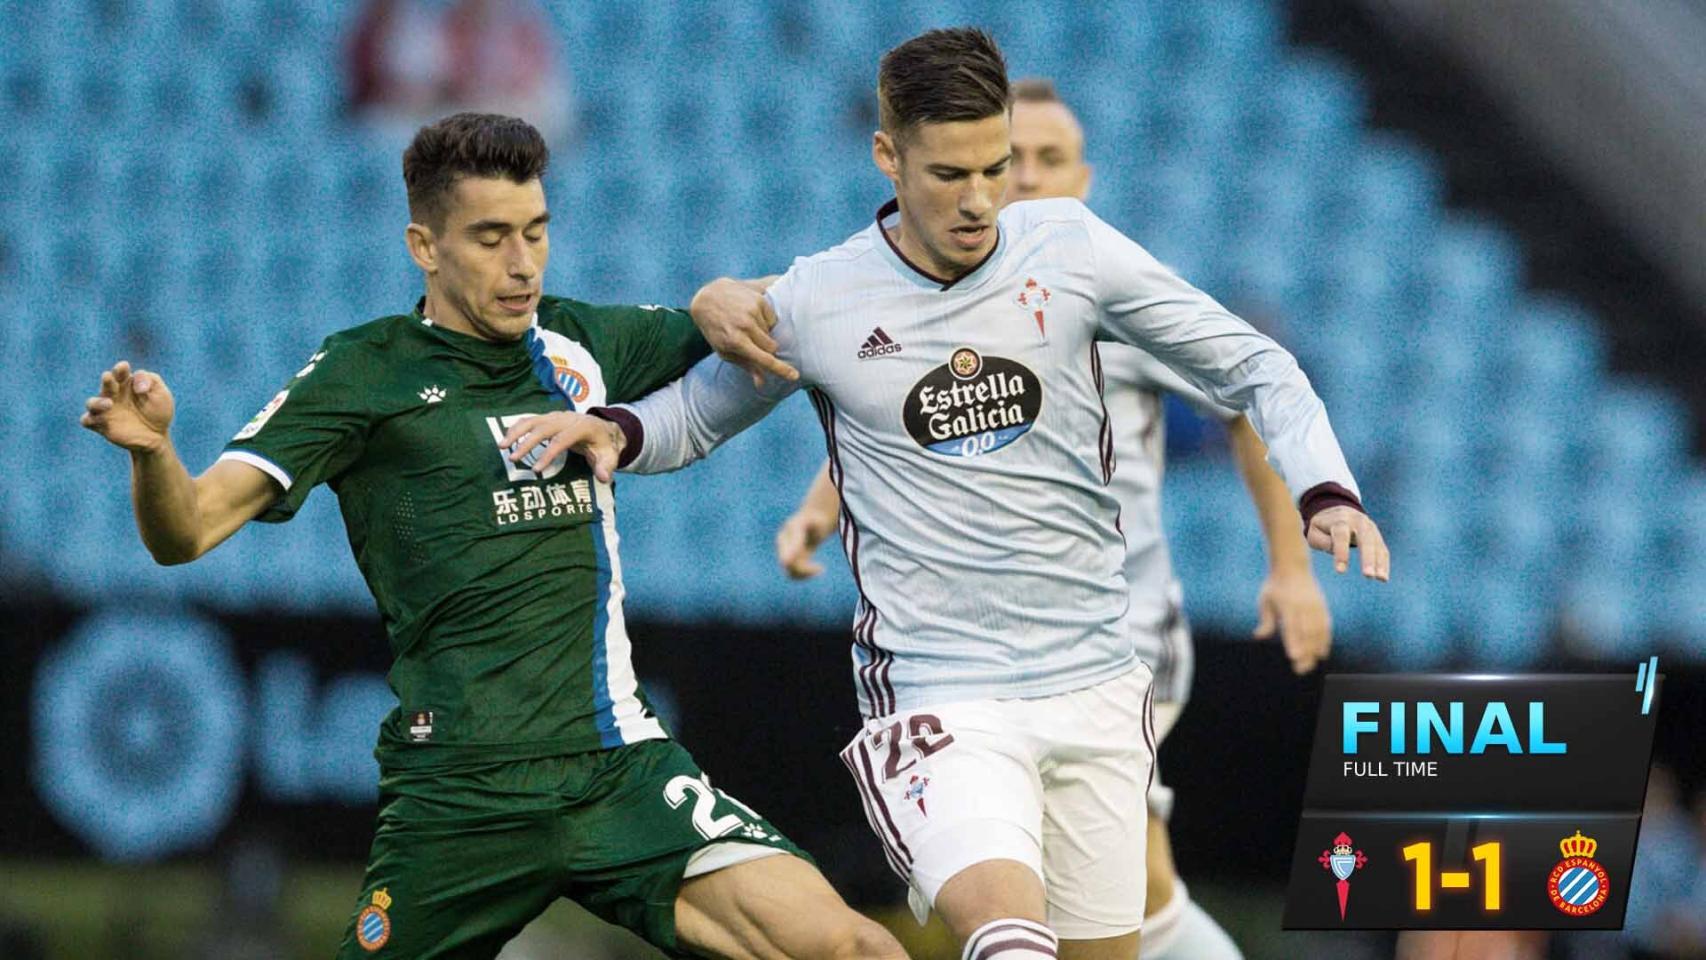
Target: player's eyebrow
503, 226
943, 169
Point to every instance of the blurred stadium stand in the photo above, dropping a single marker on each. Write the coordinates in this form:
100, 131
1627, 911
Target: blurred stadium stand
196, 200
182, 184
1631, 73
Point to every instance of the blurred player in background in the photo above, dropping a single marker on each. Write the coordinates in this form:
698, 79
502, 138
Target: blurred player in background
1048, 161
951, 348
523, 762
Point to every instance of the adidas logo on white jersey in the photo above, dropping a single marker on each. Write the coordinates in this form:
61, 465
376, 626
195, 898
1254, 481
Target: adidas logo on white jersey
878, 344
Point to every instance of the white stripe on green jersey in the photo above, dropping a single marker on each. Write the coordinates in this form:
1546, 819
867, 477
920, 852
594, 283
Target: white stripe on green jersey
577, 377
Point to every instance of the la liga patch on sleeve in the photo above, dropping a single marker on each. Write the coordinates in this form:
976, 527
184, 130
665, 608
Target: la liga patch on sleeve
260, 419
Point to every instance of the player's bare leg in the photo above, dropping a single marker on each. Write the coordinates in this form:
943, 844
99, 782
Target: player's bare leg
989, 891
1112, 948
776, 908
1471, 945
1162, 873
995, 909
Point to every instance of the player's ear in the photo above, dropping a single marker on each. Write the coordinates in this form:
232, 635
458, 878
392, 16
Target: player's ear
886, 155
1084, 185
423, 247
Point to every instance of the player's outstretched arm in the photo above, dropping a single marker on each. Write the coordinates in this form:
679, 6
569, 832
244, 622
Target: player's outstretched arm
683, 421
1290, 600
735, 318
180, 517
802, 533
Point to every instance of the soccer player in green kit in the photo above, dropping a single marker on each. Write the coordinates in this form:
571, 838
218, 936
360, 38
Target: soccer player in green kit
523, 763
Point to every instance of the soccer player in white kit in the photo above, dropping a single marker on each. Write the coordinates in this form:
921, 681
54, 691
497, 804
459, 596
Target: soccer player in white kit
952, 356
1048, 161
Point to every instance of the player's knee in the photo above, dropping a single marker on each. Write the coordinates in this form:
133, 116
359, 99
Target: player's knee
861, 938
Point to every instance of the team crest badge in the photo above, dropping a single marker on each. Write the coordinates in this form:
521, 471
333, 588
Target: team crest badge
915, 791
1343, 860
373, 924
572, 382
1578, 885
1032, 296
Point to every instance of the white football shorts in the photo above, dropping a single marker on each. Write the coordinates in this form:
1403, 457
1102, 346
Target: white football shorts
1057, 783
1160, 795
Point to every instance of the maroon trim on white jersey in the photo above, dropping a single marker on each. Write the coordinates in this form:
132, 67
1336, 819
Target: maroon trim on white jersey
1325, 495
893, 207
873, 675
1106, 435
633, 432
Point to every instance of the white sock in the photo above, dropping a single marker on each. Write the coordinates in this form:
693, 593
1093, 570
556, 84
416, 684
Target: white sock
1182, 931
1010, 939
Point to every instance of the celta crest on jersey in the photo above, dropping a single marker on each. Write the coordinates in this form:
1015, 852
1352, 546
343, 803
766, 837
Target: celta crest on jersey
915, 791
1032, 296
972, 404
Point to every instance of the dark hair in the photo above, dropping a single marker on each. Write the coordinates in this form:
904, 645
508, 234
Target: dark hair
468, 145
1036, 90
941, 76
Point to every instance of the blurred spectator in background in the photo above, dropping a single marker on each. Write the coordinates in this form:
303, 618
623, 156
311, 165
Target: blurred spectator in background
412, 61
396, 63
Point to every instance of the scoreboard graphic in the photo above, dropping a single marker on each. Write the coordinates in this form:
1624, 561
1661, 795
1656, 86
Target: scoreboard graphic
1467, 801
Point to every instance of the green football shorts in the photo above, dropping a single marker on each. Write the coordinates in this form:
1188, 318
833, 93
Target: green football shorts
464, 858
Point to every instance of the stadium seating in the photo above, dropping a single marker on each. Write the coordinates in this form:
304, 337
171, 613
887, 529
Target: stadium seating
202, 206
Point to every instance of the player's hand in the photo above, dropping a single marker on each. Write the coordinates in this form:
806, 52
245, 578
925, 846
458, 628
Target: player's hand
735, 318
133, 410
1292, 603
798, 538
560, 433
1336, 530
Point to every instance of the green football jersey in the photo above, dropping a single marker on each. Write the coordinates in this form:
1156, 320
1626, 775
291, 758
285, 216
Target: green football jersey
498, 582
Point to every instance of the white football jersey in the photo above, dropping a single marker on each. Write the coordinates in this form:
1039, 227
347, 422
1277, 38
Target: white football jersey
971, 446
1134, 388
